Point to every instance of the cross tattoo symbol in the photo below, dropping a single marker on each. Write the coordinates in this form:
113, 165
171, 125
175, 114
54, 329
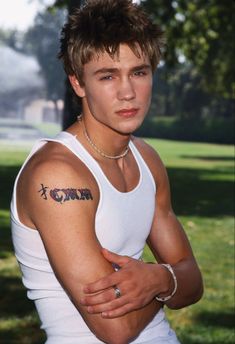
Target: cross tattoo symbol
43, 191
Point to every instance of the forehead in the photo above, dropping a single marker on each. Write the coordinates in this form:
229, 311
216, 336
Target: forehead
125, 58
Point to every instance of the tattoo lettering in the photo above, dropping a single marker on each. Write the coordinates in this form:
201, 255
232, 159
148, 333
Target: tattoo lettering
64, 195
68, 194
43, 191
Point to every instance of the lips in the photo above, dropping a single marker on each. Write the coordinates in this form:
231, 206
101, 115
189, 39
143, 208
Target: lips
127, 112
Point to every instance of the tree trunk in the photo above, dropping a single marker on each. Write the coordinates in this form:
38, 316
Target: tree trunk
57, 111
72, 105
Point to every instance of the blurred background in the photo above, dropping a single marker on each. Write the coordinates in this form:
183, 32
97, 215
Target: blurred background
193, 95
190, 123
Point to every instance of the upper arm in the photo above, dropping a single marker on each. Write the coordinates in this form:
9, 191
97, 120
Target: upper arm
67, 227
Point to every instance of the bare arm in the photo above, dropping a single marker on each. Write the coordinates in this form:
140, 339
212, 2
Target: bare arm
66, 225
169, 244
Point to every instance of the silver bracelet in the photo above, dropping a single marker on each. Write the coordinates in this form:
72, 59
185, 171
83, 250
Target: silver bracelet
166, 298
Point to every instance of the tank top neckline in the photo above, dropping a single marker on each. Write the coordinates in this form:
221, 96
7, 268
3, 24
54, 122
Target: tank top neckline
96, 164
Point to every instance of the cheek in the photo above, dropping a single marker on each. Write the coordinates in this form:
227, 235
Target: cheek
145, 93
98, 101
100, 93
144, 89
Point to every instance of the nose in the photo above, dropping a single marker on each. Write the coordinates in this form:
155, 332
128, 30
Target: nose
126, 89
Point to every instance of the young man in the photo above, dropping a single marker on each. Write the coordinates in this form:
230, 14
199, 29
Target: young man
97, 187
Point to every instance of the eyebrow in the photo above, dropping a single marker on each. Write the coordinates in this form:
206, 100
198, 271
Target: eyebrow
114, 70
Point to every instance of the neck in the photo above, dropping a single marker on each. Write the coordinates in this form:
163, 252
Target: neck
103, 140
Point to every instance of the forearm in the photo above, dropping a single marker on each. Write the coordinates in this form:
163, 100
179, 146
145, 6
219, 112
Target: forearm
170, 245
137, 320
112, 330
190, 285
123, 329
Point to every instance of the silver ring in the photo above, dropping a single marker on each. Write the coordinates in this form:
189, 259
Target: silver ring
117, 292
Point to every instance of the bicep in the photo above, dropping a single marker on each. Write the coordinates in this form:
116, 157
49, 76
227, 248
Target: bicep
68, 233
167, 238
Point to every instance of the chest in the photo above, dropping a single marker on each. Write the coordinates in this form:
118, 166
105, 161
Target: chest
123, 174
123, 220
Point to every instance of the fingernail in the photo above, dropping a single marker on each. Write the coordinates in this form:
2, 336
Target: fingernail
89, 309
104, 314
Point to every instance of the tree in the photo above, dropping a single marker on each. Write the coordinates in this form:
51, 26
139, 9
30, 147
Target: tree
43, 41
72, 106
202, 32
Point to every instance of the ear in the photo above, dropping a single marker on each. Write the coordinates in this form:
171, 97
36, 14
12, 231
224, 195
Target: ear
78, 89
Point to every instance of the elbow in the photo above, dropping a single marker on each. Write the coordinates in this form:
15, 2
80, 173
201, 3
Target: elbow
118, 334
120, 339
115, 338
199, 293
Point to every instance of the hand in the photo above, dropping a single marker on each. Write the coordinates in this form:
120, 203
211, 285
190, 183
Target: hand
135, 279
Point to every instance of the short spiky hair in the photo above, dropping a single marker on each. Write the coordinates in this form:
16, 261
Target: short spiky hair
101, 26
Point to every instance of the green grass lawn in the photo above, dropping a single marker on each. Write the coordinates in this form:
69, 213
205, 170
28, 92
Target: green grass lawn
201, 177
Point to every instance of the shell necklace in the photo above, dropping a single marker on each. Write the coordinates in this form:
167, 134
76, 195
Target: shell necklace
98, 150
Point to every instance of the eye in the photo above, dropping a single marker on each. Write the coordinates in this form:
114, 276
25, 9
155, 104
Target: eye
106, 77
140, 73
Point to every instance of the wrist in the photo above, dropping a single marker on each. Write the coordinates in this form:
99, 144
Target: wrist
169, 283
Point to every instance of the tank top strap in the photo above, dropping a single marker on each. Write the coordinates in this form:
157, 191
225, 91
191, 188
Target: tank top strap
73, 144
142, 164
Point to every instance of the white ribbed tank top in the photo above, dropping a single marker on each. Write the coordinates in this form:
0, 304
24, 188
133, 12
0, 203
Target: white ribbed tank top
122, 224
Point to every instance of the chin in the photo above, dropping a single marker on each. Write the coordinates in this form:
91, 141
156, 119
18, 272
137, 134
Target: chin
131, 127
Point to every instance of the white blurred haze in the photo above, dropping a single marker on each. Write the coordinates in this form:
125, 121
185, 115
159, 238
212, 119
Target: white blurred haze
19, 14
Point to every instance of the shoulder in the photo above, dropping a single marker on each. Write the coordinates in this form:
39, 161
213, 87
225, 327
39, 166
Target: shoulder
55, 163
54, 174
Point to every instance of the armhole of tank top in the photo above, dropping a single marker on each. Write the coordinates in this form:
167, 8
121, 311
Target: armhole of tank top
86, 160
14, 211
83, 156
139, 157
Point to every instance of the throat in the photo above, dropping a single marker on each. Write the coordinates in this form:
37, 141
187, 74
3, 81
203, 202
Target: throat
99, 150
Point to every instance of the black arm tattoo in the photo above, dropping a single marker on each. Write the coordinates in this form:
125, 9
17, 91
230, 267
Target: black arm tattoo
43, 191
66, 194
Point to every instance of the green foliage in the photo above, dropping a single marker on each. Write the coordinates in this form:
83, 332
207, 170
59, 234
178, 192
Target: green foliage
201, 177
69, 4
216, 130
178, 92
202, 32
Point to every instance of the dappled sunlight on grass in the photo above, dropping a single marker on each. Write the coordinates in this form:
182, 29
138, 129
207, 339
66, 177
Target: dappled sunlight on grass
23, 330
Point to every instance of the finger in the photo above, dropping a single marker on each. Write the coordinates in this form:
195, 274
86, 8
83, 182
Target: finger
96, 299
107, 307
102, 284
117, 312
115, 258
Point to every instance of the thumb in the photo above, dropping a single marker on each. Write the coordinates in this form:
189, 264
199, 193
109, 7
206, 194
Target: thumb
115, 258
